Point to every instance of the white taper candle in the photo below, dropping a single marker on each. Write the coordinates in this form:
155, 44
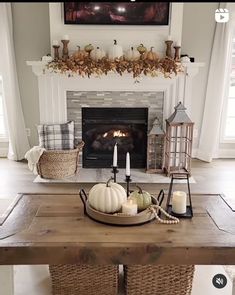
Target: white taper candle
128, 168
115, 156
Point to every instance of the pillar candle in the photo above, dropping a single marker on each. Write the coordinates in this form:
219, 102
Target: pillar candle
128, 168
65, 37
115, 156
55, 42
179, 202
169, 38
129, 208
178, 43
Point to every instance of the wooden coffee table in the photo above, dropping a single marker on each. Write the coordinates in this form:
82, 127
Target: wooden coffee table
52, 229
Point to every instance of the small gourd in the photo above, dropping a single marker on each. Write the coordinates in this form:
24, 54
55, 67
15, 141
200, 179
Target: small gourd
142, 198
151, 55
141, 48
97, 54
132, 54
115, 51
47, 58
107, 197
79, 54
88, 48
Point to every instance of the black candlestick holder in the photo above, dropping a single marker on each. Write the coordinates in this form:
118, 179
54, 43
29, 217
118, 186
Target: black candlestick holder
128, 180
115, 172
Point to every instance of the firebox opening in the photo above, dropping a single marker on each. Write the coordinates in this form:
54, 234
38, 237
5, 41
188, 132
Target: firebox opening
104, 127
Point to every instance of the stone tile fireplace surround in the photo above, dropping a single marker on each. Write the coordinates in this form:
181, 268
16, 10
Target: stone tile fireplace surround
77, 100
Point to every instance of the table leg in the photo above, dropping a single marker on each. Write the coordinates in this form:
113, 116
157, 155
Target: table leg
7, 280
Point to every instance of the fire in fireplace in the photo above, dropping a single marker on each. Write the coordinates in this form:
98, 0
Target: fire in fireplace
102, 128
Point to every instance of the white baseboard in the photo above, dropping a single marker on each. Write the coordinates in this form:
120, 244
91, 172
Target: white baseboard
3, 152
222, 154
226, 153
194, 153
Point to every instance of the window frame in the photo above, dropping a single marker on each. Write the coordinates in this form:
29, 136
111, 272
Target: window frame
224, 114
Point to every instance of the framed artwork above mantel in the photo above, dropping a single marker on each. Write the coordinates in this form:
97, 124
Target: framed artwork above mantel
117, 13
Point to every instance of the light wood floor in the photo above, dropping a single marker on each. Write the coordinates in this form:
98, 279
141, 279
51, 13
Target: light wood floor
215, 177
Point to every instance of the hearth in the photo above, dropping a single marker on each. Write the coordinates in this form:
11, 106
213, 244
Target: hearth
102, 128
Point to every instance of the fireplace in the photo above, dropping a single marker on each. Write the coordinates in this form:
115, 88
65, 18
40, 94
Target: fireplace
102, 128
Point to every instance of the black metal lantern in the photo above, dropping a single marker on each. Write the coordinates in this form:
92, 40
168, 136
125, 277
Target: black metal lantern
169, 206
178, 142
155, 148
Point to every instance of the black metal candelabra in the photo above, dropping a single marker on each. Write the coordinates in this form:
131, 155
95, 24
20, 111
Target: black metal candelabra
115, 172
128, 180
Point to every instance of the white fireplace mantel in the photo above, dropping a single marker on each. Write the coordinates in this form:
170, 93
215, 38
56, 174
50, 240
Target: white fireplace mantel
53, 87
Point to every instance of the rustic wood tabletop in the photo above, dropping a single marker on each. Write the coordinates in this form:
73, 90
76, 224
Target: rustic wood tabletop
52, 229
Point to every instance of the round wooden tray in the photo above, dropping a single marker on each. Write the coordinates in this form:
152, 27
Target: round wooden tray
117, 218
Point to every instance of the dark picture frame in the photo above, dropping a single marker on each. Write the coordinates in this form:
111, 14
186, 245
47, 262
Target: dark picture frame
117, 13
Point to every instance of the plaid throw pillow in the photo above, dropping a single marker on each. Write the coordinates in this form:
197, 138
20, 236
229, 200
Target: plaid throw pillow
56, 136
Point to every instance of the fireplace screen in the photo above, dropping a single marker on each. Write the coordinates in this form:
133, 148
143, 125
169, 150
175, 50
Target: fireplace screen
102, 128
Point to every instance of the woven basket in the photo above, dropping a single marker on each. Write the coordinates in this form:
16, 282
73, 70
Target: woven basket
159, 279
73, 279
59, 164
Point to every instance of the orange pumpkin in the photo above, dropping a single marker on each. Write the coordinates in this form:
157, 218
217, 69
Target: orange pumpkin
79, 54
151, 55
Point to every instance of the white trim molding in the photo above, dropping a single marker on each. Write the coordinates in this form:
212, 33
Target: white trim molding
226, 153
4, 147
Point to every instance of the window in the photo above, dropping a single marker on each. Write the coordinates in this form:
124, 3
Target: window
3, 131
228, 120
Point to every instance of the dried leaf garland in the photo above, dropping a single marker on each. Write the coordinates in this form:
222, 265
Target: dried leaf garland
88, 67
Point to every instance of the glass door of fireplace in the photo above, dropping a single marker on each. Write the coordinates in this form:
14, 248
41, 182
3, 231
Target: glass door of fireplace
102, 128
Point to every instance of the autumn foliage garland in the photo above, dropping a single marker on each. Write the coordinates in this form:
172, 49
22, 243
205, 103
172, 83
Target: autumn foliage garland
87, 67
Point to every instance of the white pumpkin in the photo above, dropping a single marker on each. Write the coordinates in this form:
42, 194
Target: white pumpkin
132, 54
107, 197
97, 54
115, 51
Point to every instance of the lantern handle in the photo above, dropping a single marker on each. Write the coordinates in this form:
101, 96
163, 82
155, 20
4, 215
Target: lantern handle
84, 198
160, 197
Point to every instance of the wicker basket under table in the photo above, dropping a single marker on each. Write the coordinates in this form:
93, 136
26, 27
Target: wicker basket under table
159, 279
73, 279
59, 164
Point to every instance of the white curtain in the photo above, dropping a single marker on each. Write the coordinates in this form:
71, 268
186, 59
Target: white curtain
217, 78
11, 95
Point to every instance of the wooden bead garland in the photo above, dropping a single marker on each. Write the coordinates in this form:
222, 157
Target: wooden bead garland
155, 208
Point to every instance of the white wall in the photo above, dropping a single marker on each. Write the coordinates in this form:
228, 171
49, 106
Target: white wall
103, 35
31, 39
